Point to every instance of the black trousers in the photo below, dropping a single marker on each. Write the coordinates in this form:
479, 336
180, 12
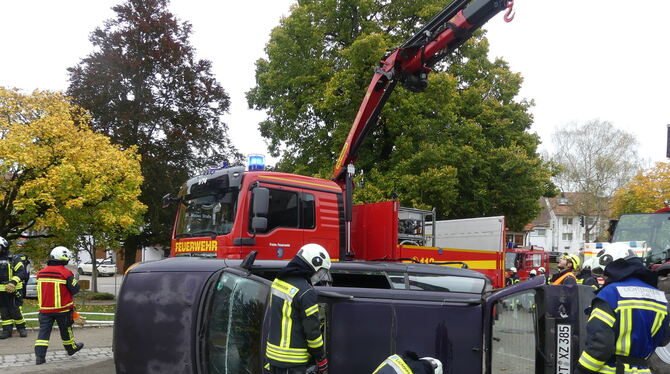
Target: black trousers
291, 370
47, 320
10, 314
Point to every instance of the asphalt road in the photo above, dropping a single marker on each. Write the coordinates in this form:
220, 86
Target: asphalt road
106, 283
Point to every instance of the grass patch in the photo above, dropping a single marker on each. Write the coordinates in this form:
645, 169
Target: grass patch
83, 306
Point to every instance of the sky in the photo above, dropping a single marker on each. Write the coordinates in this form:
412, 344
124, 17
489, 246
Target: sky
580, 59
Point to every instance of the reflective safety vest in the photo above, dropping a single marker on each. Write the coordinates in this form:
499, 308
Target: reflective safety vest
55, 288
639, 324
10, 271
295, 334
562, 278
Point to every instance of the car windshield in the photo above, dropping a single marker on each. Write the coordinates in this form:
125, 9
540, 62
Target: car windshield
207, 215
654, 228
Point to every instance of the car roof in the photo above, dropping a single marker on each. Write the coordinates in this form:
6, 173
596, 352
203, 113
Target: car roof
201, 264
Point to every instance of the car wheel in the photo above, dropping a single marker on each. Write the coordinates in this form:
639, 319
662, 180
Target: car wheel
80, 271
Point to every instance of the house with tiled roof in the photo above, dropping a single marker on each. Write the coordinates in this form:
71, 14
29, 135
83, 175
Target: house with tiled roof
558, 227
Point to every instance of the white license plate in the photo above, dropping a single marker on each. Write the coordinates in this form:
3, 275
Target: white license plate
563, 348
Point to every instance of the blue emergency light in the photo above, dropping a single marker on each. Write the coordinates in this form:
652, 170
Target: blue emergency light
256, 163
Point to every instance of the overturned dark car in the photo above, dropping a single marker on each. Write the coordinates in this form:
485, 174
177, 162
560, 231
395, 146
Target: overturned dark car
195, 315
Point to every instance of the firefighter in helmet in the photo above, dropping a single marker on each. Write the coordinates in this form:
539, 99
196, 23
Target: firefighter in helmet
628, 321
513, 277
294, 340
567, 266
409, 363
21, 294
56, 289
12, 272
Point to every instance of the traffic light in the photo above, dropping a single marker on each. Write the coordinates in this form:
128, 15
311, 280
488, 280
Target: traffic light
581, 221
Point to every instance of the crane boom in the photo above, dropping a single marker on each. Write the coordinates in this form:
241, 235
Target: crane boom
410, 64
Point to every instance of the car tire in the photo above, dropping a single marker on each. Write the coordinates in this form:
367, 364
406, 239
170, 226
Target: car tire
80, 271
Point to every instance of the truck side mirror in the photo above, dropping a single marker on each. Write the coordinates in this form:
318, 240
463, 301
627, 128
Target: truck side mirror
261, 200
168, 199
259, 224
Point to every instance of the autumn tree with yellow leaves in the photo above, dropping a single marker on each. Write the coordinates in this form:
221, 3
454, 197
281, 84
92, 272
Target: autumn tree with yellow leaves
647, 192
59, 179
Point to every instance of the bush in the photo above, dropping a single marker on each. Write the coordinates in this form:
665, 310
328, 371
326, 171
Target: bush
90, 295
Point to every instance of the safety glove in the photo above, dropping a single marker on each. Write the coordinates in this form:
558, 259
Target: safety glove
10, 287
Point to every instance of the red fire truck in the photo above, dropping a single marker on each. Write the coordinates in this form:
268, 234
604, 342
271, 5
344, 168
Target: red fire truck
232, 211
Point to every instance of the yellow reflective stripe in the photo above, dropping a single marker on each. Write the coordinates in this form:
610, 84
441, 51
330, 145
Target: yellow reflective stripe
7, 322
56, 307
51, 280
311, 310
74, 281
399, 365
625, 331
316, 343
57, 301
293, 351
642, 304
295, 355
17, 266
286, 325
42, 342
603, 316
587, 361
658, 321
284, 287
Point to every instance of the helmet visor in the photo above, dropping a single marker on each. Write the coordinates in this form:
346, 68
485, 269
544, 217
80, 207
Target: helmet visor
322, 278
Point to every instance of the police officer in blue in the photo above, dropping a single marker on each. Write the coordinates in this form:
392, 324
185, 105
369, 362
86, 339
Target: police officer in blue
628, 320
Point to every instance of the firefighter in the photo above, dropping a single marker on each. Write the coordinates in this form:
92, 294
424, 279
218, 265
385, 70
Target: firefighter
294, 339
586, 278
513, 277
532, 274
409, 363
11, 273
56, 287
628, 320
21, 294
567, 266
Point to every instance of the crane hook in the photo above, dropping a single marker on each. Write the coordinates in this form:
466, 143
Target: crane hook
509, 14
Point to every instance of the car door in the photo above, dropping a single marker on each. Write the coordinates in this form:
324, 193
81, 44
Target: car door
535, 328
232, 324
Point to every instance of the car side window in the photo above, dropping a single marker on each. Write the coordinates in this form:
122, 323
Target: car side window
513, 334
234, 331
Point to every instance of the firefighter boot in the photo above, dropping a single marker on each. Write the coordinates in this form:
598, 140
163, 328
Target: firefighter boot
5, 334
77, 348
23, 333
40, 360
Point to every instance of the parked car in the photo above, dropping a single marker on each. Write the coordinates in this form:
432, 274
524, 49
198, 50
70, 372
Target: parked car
106, 267
198, 315
31, 287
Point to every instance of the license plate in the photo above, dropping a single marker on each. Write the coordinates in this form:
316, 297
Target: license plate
563, 348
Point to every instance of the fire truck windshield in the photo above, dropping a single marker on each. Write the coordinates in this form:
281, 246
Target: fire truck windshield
207, 215
653, 228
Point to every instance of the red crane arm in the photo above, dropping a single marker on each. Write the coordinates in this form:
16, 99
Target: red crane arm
411, 63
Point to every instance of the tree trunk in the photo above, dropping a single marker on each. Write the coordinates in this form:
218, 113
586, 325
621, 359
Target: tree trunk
130, 247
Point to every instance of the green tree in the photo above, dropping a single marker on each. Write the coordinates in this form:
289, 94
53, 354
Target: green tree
144, 86
58, 175
590, 158
461, 146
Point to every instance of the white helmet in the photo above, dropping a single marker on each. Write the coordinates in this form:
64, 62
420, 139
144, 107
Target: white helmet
512, 269
533, 272
60, 253
435, 363
541, 269
612, 252
315, 255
